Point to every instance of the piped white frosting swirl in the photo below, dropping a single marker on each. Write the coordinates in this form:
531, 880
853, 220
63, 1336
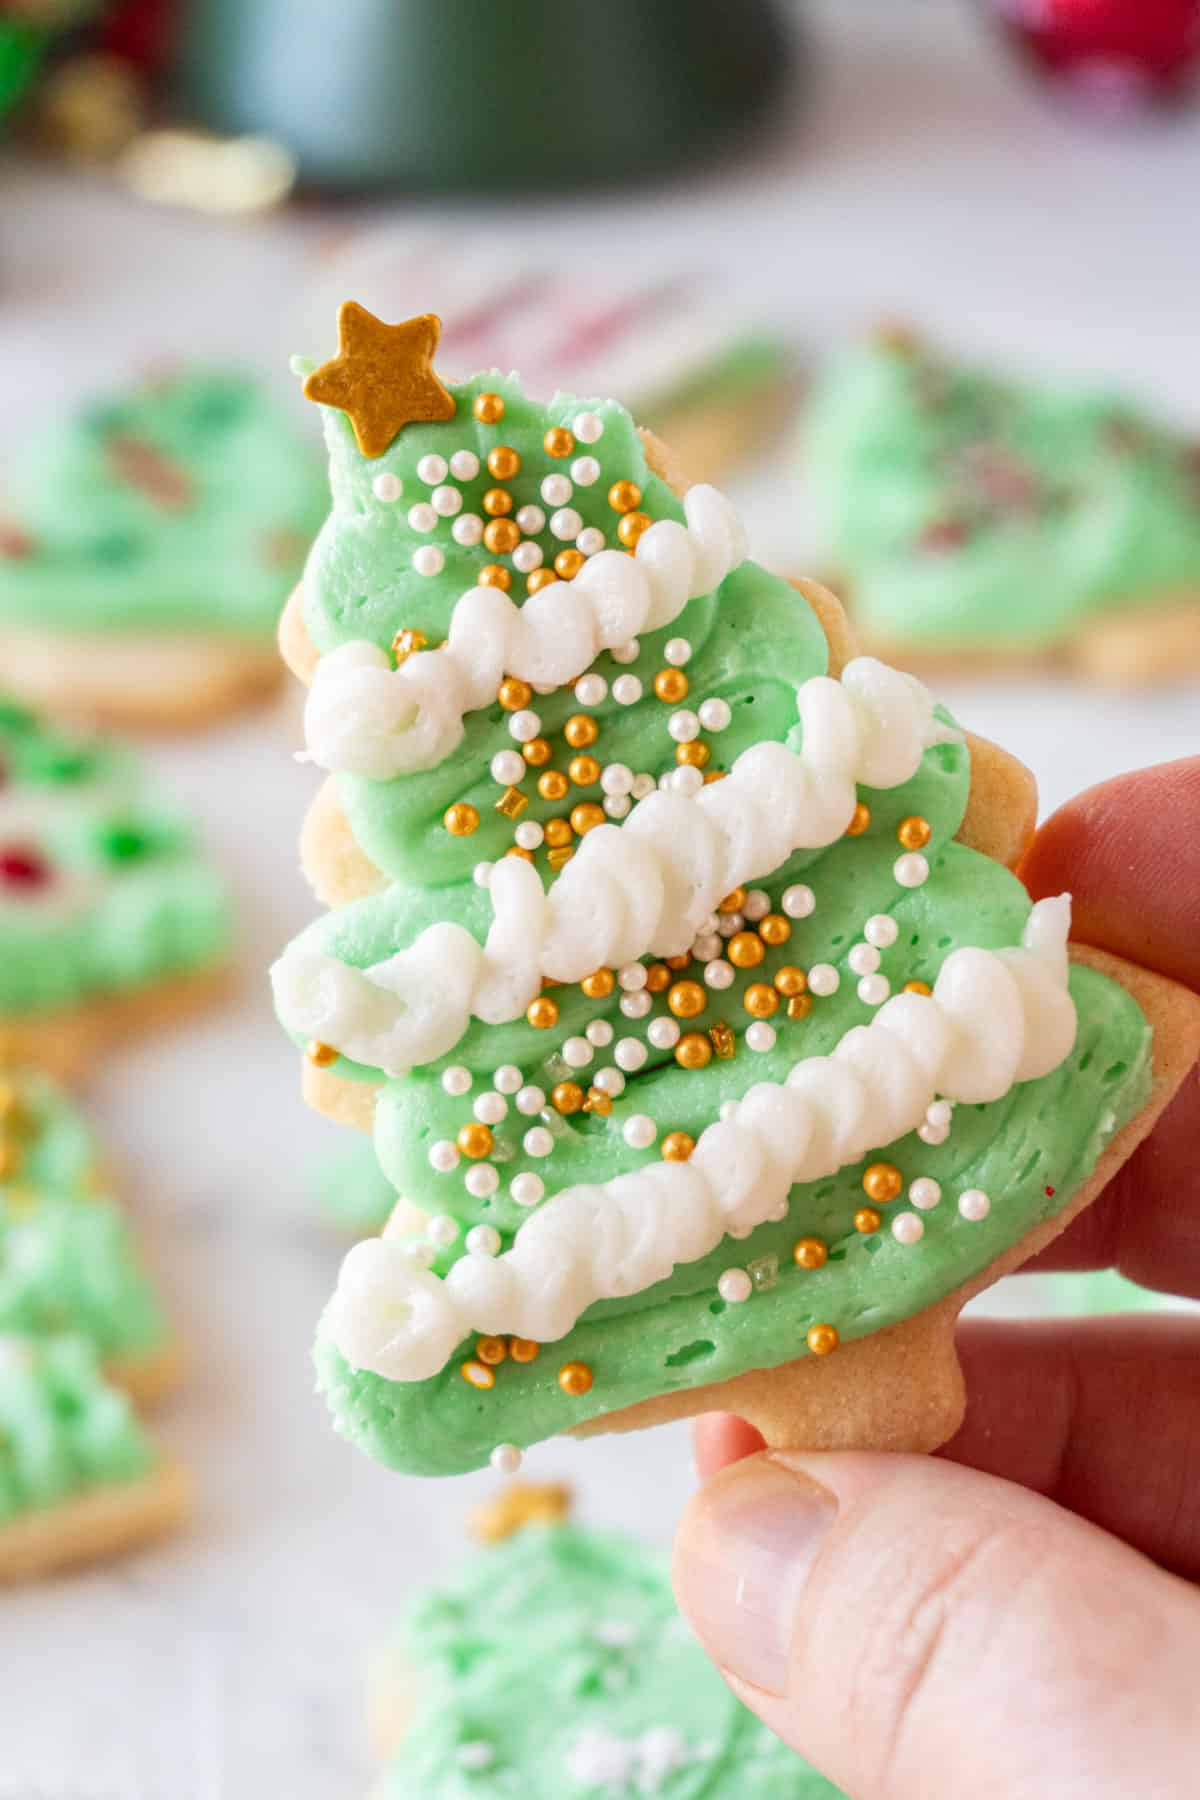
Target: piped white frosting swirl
994, 1018
642, 887
364, 717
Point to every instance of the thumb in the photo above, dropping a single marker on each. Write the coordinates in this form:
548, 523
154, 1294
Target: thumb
921, 1631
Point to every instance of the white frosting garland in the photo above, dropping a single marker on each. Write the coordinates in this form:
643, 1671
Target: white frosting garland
995, 1018
364, 717
643, 887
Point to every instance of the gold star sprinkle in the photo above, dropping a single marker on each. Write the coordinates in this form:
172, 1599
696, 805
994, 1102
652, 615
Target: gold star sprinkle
521, 1505
382, 376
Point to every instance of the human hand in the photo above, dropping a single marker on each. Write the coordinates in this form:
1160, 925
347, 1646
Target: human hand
1017, 1616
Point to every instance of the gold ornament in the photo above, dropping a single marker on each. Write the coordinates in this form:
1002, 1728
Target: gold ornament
584, 770
799, 1006
575, 1378
497, 503
542, 1013
406, 643
488, 408
586, 816
599, 984
914, 832
494, 575
633, 525
536, 752
882, 1182
567, 1097
558, 442
687, 999
461, 819
523, 1350
681, 961
501, 537
558, 831
477, 1375
722, 1039
694, 755
598, 1102
560, 856
320, 1055
475, 1140
733, 902
552, 785
491, 1350
568, 563
775, 929
860, 818
745, 950
823, 1340
917, 987
677, 1146
866, 1220
520, 851
623, 496
671, 685
693, 1051
382, 376
539, 579
658, 978
581, 731
503, 462
513, 694
760, 999
810, 1253
512, 803
790, 980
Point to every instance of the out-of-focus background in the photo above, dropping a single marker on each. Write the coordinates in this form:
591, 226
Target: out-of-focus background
911, 165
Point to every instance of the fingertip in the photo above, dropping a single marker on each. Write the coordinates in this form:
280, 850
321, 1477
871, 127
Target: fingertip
719, 1439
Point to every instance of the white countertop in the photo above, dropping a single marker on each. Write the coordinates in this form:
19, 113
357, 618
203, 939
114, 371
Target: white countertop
927, 180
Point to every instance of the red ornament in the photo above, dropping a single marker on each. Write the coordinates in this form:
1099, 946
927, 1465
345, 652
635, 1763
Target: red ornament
22, 868
1115, 55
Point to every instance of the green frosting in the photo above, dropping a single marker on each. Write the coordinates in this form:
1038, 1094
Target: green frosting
554, 1666
966, 510
45, 1140
186, 504
102, 889
752, 643
68, 1264
63, 1429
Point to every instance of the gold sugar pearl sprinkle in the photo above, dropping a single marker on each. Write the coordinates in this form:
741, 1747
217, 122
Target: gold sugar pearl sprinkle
760, 999
494, 575
491, 1350
745, 950
539, 579
568, 563
497, 503
693, 1051
882, 1182
714, 775
583, 770
478, 1375
790, 980
567, 1097
658, 978
823, 1340
519, 850
475, 1140
523, 1350
558, 831
581, 731
678, 962
917, 987
598, 1102
575, 1378
320, 1055
677, 1146
536, 752
867, 1220
558, 441
503, 462
775, 929
599, 984
810, 1253
799, 1006
407, 643
633, 526
552, 785
859, 820
514, 695
501, 537
586, 816
671, 685
542, 1013
687, 999
623, 496
461, 819
914, 832
695, 755
733, 902
488, 409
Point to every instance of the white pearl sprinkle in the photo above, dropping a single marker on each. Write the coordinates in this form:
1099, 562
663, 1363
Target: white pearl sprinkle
524, 725
617, 805
760, 1036
424, 1255
428, 560
530, 1101
757, 905
527, 557
663, 1033
715, 714
632, 976
443, 1156
387, 486
719, 974
600, 1033
734, 1286
566, 524
509, 767
907, 1228
683, 725
456, 1079
507, 1078
974, 1205
442, 1230
480, 1181
639, 1131
609, 1081
627, 690
529, 835
924, 1193
626, 653
506, 1459
464, 465
490, 1107
881, 931
643, 785
531, 520
798, 901
585, 470
864, 959
446, 502
940, 1113
538, 1141
432, 469
873, 990
823, 980
467, 529
636, 1006
483, 1240
616, 778
556, 490
527, 1188
677, 651
729, 924
687, 780
933, 1134
481, 874
588, 427
590, 541
707, 946
577, 1052
590, 690
630, 1054
911, 870
422, 517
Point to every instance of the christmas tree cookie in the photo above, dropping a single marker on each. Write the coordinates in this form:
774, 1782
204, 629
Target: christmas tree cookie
79, 1479
554, 1666
980, 520
147, 545
714, 1050
110, 918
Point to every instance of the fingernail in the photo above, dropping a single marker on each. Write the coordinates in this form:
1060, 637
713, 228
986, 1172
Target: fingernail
748, 1541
